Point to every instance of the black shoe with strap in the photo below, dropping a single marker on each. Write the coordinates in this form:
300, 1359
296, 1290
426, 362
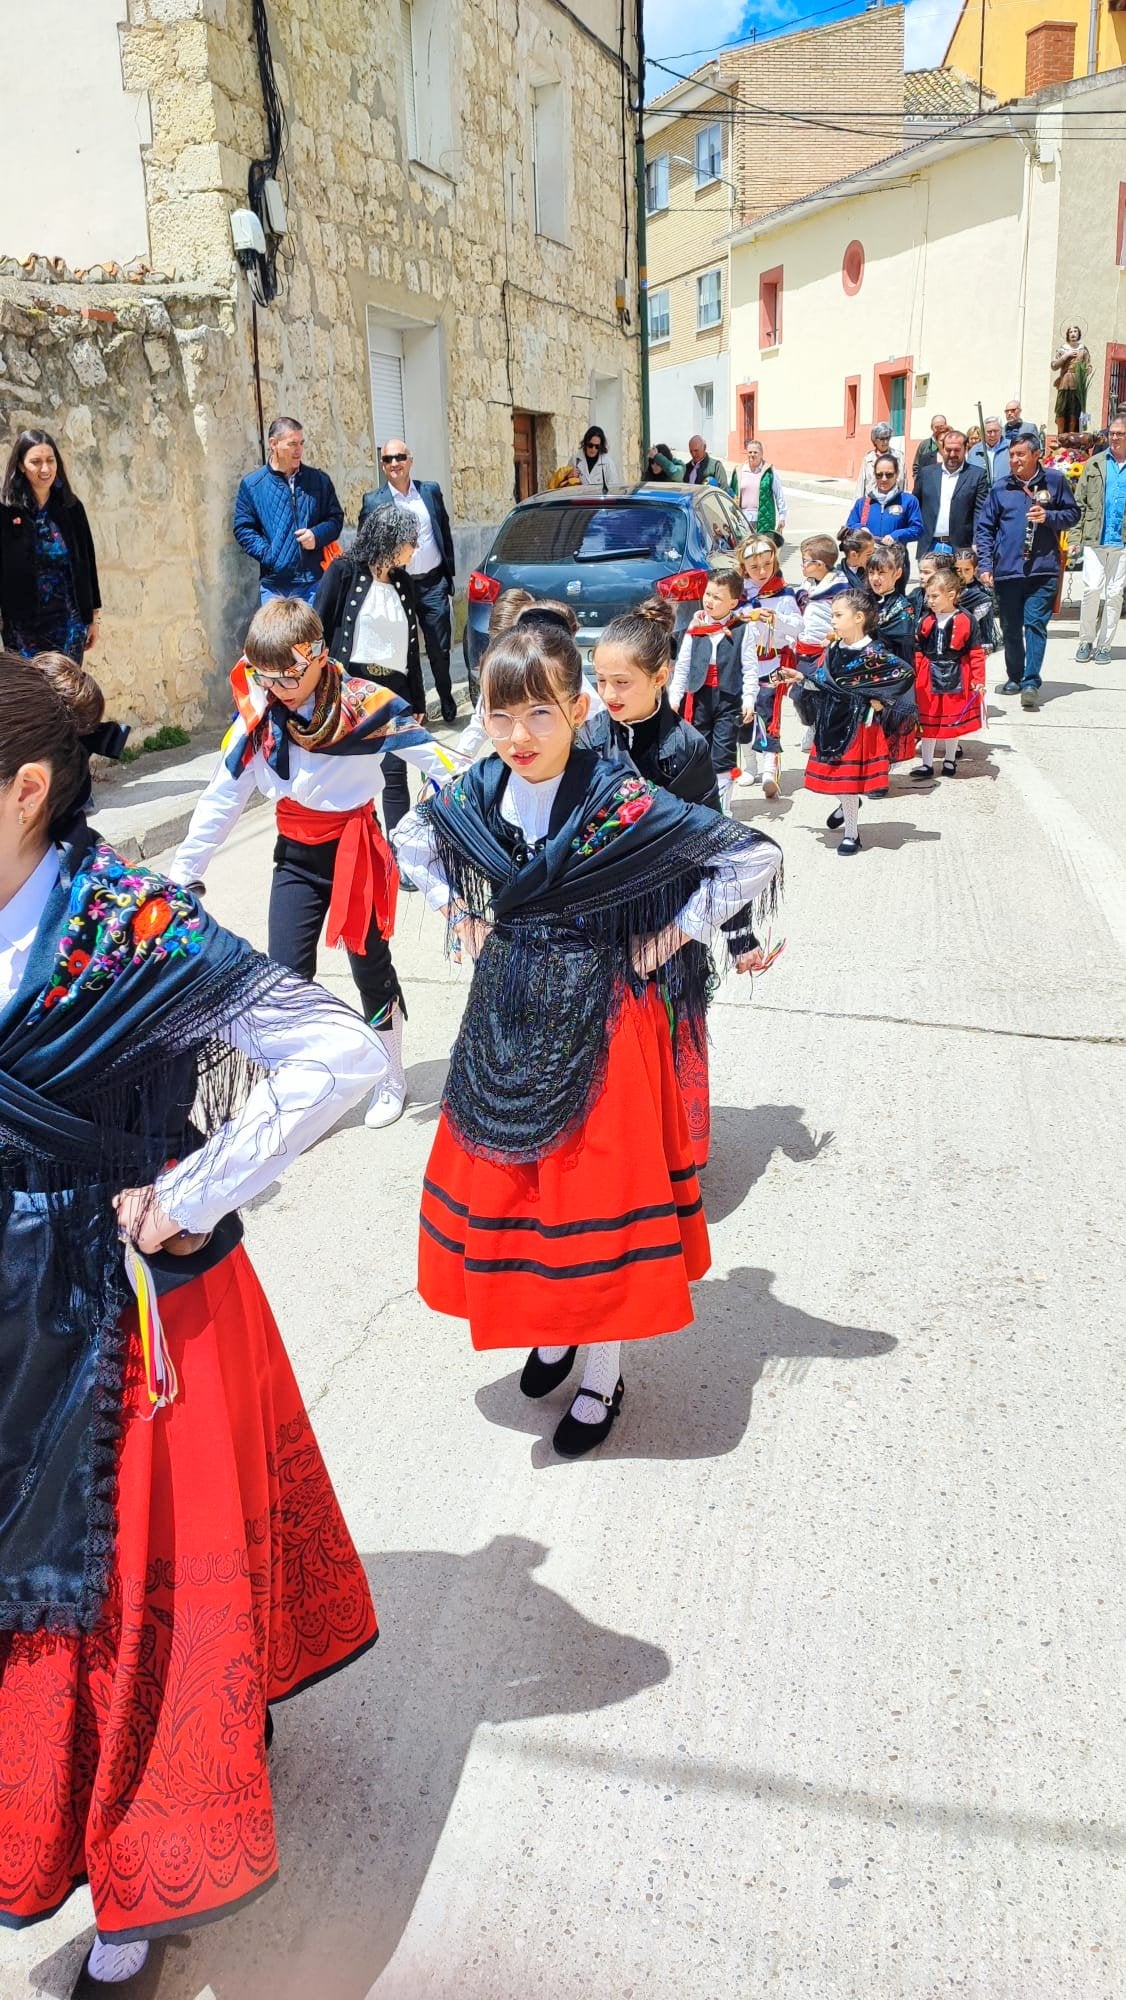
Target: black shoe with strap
539, 1378
573, 1437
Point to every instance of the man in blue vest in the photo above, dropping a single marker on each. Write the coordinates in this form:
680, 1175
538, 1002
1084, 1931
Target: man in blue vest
286, 514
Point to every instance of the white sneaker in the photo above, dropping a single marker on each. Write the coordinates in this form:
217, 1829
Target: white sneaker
389, 1098
746, 778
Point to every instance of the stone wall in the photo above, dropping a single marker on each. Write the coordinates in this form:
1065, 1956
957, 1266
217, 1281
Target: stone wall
145, 394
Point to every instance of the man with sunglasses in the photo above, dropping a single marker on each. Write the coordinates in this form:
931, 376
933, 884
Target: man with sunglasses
431, 568
286, 514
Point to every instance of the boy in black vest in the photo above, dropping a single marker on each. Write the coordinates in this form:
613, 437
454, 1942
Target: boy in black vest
716, 675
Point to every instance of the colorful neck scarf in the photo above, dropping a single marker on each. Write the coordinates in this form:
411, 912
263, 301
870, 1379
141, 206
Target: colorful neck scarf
351, 717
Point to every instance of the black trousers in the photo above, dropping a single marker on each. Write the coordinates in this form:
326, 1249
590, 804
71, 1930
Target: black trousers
432, 600
299, 898
396, 791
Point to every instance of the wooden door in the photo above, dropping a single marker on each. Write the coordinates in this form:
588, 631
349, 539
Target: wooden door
526, 480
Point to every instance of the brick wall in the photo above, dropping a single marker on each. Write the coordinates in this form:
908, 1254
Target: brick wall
851, 66
1049, 55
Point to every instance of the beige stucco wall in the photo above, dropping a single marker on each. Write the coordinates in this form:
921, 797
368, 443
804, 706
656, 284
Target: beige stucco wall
71, 181
944, 284
1090, 287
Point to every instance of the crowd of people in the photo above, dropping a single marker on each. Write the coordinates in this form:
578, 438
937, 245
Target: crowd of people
169, 1537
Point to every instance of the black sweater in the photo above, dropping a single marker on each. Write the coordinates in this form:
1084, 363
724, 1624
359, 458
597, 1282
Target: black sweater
19, 591
340, 595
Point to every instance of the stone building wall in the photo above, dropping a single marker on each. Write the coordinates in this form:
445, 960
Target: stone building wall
152, 394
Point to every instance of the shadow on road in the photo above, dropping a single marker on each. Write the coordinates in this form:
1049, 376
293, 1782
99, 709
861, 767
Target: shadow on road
365, 1767
688, 1395
743, 1145
890, 834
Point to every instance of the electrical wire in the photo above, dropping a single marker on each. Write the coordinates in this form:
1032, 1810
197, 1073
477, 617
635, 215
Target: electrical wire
263, 271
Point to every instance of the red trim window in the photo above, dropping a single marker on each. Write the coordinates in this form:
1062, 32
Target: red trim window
852, 267
1114, 381
852, 405
770, 307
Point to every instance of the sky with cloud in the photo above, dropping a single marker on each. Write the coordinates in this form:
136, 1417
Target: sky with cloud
672, 33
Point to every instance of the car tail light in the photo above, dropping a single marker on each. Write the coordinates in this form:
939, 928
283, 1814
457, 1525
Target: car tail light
482, 589
689, 584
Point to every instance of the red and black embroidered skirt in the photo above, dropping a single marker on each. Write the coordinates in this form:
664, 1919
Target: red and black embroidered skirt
863, 768
959, 713
596, 1242
135, 1756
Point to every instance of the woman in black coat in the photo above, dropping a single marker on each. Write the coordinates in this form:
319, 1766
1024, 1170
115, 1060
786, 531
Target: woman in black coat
365, 601
49, 596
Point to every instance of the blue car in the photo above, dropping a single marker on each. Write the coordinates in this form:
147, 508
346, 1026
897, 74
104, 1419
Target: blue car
602, 553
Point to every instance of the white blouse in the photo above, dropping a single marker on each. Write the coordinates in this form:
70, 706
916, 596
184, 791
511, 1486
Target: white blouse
323, 783
734, 879
382, 631
318, 1057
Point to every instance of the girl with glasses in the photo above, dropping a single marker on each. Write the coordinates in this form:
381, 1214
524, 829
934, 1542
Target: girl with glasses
772, 610
313, 739
560, 1207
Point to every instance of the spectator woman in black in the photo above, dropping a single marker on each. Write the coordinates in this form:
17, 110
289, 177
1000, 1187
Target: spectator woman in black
365, 601
49, 596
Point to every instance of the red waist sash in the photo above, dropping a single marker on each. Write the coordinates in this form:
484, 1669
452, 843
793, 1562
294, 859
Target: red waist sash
365, 880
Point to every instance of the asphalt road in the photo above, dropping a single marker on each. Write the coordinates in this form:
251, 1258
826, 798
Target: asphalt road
810, 1684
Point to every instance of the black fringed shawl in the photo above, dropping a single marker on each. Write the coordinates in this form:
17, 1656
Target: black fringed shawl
113, 1035
837, 698
619, 862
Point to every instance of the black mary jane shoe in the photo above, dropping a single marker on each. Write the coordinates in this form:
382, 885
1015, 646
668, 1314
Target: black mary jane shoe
847, 847
950, 767
573, 1437
539, 1378
142, 1986
922, 773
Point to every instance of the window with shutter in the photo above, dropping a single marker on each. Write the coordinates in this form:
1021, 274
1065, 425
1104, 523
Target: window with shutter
385, 364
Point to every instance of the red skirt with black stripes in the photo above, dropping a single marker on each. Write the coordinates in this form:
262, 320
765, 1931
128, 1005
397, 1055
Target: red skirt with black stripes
599, 1240
863, 768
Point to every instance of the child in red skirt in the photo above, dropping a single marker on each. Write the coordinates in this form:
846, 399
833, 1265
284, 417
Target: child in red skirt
560, 1206
949, 674
859, 700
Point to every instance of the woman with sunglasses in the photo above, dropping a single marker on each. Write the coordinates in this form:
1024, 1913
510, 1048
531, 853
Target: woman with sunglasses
313, 739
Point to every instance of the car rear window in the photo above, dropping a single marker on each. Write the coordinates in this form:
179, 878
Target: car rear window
570, 533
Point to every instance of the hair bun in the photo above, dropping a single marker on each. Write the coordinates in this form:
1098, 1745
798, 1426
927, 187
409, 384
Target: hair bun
76, 689
656, 611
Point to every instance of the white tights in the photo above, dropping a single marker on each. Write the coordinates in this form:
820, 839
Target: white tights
600, 1373
114, 1963
850, 815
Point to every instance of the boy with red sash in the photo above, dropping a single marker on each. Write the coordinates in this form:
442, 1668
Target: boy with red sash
311, 738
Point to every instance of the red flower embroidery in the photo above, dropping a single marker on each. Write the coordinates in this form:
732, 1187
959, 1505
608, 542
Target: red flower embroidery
152, 920
56, 993
76, 962
634, 809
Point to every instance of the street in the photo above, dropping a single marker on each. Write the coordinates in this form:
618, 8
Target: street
809, 1683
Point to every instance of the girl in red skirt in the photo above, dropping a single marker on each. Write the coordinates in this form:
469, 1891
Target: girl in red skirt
632, 666
949, 674
560, 1206
172, 1557
858, 701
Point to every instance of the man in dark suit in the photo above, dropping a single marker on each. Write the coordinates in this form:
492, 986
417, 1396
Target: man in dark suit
948, 493
431, 567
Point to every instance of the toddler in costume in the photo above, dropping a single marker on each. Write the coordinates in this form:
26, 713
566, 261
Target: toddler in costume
715, 682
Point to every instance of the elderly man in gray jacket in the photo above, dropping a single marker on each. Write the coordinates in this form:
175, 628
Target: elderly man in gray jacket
1100, 492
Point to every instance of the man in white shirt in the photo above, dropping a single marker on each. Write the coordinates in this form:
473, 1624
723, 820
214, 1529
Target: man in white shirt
948, 493
432, 565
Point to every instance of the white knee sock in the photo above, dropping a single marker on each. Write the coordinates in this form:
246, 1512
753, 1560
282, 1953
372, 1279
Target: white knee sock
600, 1373
116, 1962
550, 1354
927, 749
724, 787
850, 810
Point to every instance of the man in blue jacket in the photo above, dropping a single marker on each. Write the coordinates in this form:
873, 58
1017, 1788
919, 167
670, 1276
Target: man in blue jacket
1019, 523
286, 514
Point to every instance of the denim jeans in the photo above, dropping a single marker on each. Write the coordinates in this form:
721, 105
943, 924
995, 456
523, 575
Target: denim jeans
304, 587
1025, 604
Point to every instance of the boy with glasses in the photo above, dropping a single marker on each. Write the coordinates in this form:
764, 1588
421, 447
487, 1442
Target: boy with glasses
312, 739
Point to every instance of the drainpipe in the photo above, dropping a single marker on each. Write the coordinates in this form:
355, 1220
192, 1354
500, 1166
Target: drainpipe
1093, 38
